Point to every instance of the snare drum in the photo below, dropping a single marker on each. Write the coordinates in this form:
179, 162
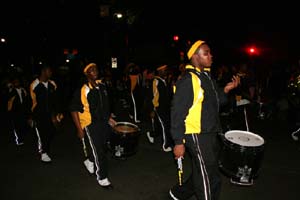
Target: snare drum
241, 156
124, 139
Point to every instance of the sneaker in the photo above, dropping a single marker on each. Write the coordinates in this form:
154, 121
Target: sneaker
168, 149
172, 195
295, 137
89, 166
150, 139
45, 158
105, 183
20, 143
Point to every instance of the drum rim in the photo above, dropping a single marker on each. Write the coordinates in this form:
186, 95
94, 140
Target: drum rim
126, 123
248, 132
137, 129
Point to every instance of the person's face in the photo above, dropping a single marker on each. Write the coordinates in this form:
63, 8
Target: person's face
92, 73
163, 73
203, 56
182, 68
16, 83
47, 73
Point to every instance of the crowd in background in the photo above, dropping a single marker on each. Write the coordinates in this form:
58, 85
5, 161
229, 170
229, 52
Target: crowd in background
275, 92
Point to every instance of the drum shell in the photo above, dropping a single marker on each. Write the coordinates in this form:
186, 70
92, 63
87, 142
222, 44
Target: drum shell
233, 157
127, 142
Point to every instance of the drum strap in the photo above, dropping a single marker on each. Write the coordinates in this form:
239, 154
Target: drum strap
205, 178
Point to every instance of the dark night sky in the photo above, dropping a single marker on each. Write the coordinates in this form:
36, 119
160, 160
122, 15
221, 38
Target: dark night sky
228, 27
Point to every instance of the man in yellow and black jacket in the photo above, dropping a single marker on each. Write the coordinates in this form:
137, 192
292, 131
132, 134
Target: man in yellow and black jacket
161, 103
91, 115
195, 124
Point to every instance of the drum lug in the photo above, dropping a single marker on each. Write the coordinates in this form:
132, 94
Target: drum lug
244, 174
119, 151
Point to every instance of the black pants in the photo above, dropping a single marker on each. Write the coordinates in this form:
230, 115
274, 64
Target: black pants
45, 131
19, 127
205, 179
97, 134
162, 128
136, 104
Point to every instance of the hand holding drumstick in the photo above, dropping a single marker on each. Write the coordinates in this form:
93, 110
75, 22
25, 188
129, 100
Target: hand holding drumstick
180, 170
179, 151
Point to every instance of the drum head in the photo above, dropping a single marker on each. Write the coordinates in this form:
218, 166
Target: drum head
244, 138
125, 127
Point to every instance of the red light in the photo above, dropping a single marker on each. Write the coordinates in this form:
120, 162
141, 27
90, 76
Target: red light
252, 50
66, 51
75, 51
175, 38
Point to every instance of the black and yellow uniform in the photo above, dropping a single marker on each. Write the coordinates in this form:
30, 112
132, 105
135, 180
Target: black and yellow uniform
195, 123
161, 103
45, 105
135, 82
92, 103
18, 111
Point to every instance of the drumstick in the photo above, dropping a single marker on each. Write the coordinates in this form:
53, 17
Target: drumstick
246, 118
180, 170
84, 147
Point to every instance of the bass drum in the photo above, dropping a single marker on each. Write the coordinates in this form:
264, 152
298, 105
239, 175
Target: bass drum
124, 139
241, 156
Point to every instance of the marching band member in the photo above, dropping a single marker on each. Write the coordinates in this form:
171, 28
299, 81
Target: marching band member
195, 124
91, 115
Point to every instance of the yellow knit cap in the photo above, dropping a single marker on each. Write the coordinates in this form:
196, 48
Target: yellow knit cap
89, 66
193, 49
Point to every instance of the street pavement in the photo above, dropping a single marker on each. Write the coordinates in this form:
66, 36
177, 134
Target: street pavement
146, 175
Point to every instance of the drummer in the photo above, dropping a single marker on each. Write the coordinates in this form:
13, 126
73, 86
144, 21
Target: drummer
195, 124
90, 113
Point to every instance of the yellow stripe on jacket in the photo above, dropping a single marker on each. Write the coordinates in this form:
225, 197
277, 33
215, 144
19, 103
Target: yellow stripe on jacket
133, 81
10, 103
85, 117
193, 119
155, 93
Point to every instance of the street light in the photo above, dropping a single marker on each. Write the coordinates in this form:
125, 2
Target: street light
118, 15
